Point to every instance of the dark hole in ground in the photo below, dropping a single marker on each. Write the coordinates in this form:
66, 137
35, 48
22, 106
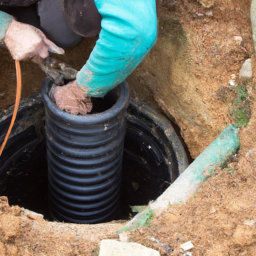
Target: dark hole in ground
25, 183
101, 104
150, 163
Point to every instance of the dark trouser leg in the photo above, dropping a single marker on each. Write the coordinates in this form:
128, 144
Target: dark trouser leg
52, 23
26, 15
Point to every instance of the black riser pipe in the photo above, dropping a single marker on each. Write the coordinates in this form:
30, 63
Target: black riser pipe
84, 155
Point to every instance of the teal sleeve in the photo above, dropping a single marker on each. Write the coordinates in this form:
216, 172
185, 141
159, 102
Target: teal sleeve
5, 20
129, 30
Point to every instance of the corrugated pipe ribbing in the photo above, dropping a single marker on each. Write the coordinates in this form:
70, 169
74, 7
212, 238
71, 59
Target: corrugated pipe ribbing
84, 155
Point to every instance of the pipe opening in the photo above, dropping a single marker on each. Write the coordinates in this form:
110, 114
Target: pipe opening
25, 183
153, 157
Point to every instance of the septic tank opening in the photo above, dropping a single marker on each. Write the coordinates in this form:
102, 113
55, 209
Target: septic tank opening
25, 183
153, 158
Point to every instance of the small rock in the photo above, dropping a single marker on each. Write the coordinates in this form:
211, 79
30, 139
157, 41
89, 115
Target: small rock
232, 82
115, 248
198, 14
233, 77
238, 40
246, 70
250, 223
187, 246
209, 13
206, 3
213, 210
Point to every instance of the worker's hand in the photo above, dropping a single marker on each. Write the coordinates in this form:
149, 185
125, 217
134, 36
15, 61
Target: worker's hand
71, 98
27, 42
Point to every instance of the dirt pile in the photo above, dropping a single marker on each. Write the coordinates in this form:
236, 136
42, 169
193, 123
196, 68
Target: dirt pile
197, 52
221, 218
26, 234
201, 44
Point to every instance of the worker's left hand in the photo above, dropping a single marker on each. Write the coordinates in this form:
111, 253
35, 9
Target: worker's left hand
72, 99
27, 42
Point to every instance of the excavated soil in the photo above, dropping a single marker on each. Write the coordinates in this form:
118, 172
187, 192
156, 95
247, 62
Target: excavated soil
197, 52
221, 218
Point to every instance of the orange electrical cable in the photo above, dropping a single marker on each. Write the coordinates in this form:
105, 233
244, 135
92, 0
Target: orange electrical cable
16, 106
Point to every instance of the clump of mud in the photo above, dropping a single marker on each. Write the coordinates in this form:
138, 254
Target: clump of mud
72, 99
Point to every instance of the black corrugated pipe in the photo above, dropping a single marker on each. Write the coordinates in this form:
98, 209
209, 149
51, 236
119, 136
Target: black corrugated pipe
84, 156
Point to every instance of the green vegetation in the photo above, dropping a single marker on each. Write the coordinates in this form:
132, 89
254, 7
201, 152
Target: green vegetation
144, 220
240, 110
229, 170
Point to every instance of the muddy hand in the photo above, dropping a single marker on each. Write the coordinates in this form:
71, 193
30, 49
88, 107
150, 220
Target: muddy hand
27, 42
72, 99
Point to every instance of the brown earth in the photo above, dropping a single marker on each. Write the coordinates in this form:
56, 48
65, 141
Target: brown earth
195, 55
193, 59
23, 234
186, 73
221, 218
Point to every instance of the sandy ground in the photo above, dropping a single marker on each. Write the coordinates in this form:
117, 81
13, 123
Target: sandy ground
220, 219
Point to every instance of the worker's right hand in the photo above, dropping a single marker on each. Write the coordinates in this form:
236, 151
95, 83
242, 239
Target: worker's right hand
72, 99
27, 42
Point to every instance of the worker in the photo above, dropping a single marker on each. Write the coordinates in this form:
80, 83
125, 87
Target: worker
127, 31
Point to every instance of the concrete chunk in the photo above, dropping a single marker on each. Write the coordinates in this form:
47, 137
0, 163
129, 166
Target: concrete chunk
246, 70
187, 246
115, 248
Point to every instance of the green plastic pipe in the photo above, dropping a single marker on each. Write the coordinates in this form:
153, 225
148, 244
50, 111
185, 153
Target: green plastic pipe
186, 185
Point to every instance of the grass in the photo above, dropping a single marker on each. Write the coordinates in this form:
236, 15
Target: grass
240, 110
143, 221
229, 170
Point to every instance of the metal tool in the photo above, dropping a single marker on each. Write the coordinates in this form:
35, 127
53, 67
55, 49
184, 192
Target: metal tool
58, 71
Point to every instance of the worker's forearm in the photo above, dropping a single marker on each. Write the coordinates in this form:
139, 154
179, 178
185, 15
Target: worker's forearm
129, 30
5, 20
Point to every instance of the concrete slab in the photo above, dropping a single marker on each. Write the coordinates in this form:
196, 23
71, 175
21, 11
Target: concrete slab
246, 70
115, 248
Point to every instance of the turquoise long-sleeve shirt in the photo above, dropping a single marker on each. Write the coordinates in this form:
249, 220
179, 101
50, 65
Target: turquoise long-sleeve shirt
5, 20
128, 32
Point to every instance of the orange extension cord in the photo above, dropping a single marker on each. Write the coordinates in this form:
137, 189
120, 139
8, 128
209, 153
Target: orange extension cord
16, 106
